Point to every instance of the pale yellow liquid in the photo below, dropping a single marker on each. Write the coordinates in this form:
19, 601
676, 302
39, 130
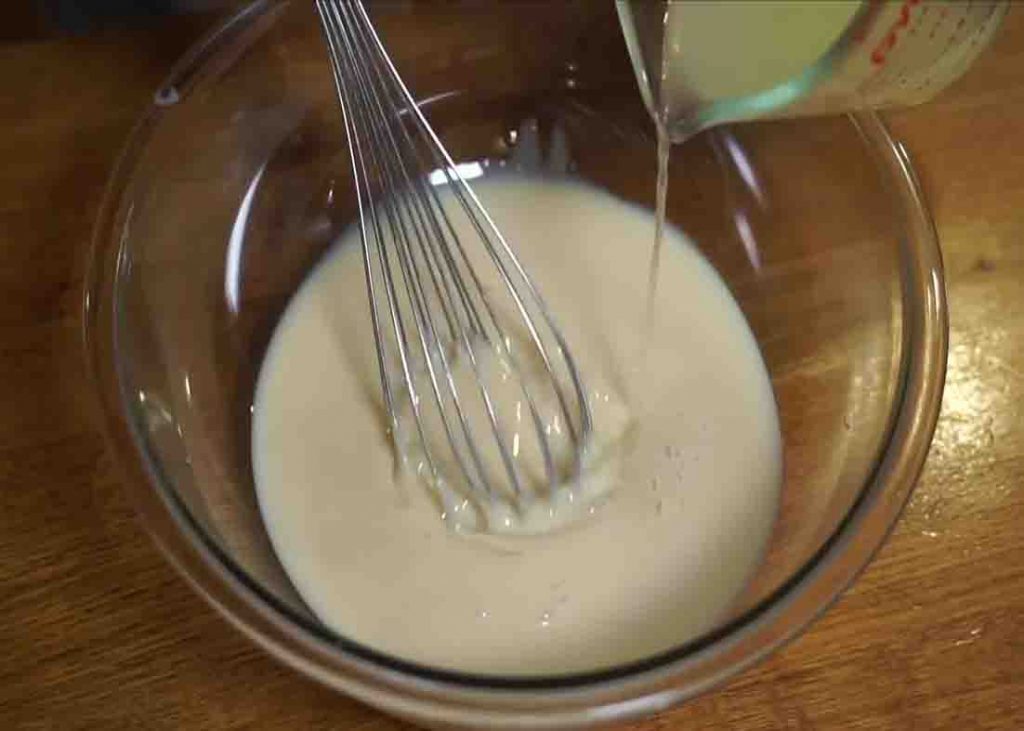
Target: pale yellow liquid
695, 473
717, 50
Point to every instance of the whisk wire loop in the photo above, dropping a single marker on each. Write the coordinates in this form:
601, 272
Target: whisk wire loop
429, 306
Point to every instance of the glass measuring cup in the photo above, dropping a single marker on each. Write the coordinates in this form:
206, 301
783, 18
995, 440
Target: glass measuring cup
701, 62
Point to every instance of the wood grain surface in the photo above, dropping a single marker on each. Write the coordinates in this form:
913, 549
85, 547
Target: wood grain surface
97, 631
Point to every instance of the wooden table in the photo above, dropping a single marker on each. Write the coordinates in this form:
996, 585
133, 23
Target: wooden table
97, 631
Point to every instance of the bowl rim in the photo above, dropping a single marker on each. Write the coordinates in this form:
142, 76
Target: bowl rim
626, 691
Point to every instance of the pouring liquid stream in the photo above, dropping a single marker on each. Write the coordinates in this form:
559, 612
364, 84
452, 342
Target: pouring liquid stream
661, 195
664, 142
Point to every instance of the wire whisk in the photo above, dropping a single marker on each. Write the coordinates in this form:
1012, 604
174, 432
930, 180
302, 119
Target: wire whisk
481, 393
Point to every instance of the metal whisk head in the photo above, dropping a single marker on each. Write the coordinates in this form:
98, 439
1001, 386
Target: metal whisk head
477, 381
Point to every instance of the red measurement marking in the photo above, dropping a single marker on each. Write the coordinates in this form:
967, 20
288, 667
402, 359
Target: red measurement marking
881, 51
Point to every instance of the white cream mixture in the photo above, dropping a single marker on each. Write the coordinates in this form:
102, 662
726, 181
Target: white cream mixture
687, 430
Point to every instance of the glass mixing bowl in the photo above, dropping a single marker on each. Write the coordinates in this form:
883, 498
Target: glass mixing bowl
236, 181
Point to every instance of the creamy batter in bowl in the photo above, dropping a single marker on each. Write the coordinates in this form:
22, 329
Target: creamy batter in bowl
234, 187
